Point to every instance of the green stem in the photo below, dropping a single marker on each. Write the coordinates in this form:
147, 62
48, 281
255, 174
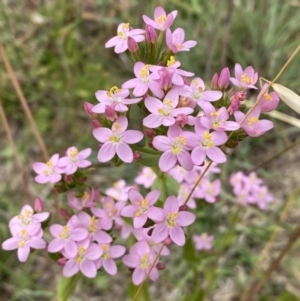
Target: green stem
145, 150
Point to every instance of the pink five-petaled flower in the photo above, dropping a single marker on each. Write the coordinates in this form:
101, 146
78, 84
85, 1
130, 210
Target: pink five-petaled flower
83, 259
109, 213
24, 239
144, 81
120, 42
116, 97
217, 119
108, 254
66, 237
146, 177
140, 259
74, 159
119, 191
161, 21
268, 101
206, 144
164, 113
203, 241
85, 200
175, 41
172, 223
173, 66
244, 79
175, 148
48, 172
252, 125
116, 141
142, 208
196, 91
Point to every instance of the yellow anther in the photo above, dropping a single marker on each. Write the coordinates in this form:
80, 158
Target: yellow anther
145, 71
207, 135
246, 79
194, 82
171, 61
73, 152
65, 233
183, 102
92, 228
80, 254
117, 127
181, 139
215, 125
200, 89
171, 219
114, 138
138, 214
252, 121
21, 244
204, 236
161, 19
126, 26
108, 205
176, 149
267, 97
49, 164
179, 46
144, 261
105, 249
215, 114
114, 90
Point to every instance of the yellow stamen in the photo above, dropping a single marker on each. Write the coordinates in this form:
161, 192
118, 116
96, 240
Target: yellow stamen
114, 138
80, 254
171, 61
246, 79
181, 139
73, 152
161, 19
267, 97
92, 228
179, 46
171, 219
252, 121
65, 233
105, 254
114, 90
49, 164
145, 261
145, 71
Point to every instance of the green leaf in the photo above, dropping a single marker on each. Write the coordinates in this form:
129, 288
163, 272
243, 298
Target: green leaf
286, 296
196, 295
189, 250
149, 160
167, 186
66, 287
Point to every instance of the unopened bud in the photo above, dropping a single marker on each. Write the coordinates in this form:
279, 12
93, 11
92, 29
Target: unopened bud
181, 120
96, 124
166, 76
150, 133
150, 34
168, 241
88, 109
132, 45
160, 266
64, 214
81, 180
38, 205
214, 82
137, 156
183, 208
62, 261
68, 179
223, 81
110, 113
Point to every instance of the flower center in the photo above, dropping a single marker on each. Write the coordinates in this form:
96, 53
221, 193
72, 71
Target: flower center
267, 97
80, 254
246, 79
178, 144
124, 33
161, 19
179, 46
26, 217
50, 170
143, 207
197, 92
144, 263
115, 137
24, 238
114, 90
65, 233
105, 254
110, 210
167, 108
144, 74
171, 219
171, 61
252, 121
92, 228
206, 142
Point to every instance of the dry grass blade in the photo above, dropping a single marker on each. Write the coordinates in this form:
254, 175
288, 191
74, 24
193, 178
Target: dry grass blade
286, 118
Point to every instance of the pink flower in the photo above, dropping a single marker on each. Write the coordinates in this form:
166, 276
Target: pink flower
86, 200
173, 222
48, 172
119, 191
175, 41
217, 119
244, 79
262, 197
74, 159
116, 141
183, 192
223, 80
120, 42
175, 148
144, 81
83, 260
206, 144
173, 66
108, 254
146, 177
140, 259
196, 91
161, 21
203, 241
163, 113
66, 237
109, 213
24, 239
142, 208
151, 36
252, 125
268, 101
210, 190
116, 97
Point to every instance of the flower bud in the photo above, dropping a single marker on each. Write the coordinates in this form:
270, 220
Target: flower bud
150, 34
183, 208
132, 45
38, 205
181, 120
150, 133
62, 261
110, 113
223, 81
168, 241
64, 214
88, 109
214, 82
166, 76
68, 179
160, 266
137, 156
96, 124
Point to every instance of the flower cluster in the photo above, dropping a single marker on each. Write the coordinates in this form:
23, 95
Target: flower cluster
250, 189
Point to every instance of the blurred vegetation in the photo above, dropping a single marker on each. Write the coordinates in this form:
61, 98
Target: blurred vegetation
56, 48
